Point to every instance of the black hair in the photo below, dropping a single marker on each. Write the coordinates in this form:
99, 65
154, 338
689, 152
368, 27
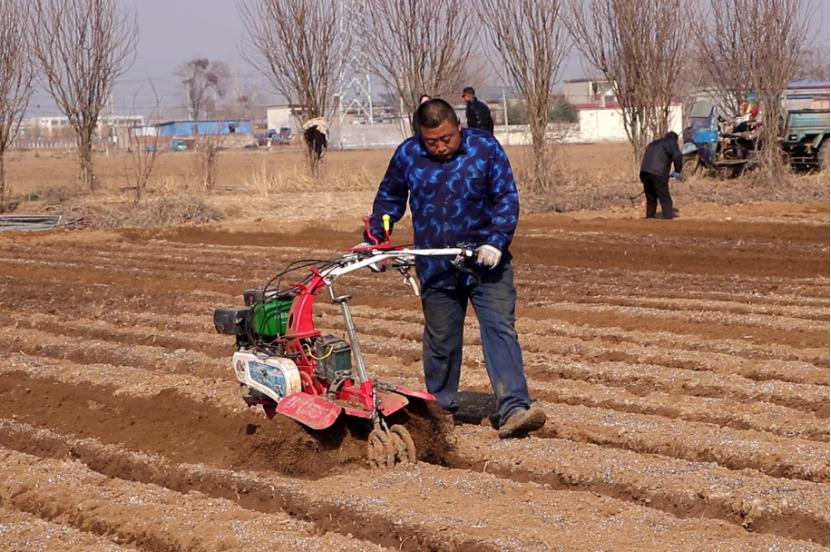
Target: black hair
672, 135
434, 112
469, 90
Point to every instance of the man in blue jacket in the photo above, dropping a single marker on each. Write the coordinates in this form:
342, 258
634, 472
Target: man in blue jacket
461, 191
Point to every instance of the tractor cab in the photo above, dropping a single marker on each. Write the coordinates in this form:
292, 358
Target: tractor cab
701, 134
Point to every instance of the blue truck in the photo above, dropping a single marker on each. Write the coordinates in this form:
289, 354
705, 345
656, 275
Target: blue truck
805, 138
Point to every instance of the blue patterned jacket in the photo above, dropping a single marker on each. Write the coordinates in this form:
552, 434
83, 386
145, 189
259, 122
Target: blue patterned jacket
470, 199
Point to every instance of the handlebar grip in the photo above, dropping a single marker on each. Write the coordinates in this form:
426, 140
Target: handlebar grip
368, 228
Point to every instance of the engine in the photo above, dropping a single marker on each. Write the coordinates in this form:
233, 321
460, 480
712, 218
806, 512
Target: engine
334, 358
264, 317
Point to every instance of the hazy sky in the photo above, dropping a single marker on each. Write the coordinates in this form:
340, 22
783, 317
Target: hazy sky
174, 31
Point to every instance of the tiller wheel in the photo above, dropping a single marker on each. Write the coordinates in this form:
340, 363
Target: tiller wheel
388, 447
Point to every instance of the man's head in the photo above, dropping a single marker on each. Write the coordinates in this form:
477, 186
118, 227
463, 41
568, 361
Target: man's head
671, 136
441, 130
468, 94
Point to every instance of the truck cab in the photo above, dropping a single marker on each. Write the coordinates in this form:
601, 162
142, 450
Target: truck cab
805, 138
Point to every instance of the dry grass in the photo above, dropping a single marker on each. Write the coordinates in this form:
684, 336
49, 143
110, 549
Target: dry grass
114, 210
268, 179
589, 177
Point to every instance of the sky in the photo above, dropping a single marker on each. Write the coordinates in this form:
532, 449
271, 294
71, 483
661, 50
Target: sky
171, 32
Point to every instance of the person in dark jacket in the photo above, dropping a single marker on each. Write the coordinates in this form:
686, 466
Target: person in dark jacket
477, 113
461, 190
658, 159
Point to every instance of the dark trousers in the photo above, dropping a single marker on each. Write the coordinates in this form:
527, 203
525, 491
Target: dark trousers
444, 316
656, 188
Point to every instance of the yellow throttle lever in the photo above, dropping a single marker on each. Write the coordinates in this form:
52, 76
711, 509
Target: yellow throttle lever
386, 219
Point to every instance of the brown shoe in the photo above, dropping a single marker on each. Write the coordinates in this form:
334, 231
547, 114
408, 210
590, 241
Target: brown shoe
522, 422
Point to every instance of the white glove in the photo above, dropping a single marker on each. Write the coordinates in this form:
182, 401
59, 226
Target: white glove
488, 255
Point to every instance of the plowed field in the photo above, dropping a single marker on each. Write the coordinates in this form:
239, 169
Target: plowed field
683, 365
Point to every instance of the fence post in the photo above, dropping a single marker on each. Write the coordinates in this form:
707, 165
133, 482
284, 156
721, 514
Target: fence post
505, 118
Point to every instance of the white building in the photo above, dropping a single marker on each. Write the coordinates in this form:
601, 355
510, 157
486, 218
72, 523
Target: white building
57, 125
282, 116
605, 124
581, 91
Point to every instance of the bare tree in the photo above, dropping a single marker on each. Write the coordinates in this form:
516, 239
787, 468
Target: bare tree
143, 149
16, 76
719, 39
763, 49
532, 43
639, 47
294, 43
813, 64
419, 46
778, 29
204, 81
82, 47
208, 147
247, 101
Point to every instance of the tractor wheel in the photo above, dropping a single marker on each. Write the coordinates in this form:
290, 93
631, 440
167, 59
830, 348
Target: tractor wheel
823, 156
380, 450
689, 166
404, 444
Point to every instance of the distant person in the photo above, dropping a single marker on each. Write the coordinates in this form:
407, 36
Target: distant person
477, 113
316, 135
421, 99
658, 159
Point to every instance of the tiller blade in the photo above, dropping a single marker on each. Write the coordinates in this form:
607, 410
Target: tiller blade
313, 411
395, 388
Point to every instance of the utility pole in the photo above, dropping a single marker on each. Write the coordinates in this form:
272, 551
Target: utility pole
354, 86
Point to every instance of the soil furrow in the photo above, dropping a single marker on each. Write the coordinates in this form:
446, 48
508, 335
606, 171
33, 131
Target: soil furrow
759, 503
102, 299
37, 343
151, 516
725, 412
639, 380
688, 305
123, 414
532, 322
436, 521
22, 531
740, 349
757, 328
638, 376
735, 449
565, 282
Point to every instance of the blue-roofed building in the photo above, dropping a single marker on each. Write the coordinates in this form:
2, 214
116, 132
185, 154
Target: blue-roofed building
203, 128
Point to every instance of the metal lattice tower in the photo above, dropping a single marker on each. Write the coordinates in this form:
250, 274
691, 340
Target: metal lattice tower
354, 88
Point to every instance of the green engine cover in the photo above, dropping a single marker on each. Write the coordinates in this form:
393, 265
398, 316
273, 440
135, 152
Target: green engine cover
272, 317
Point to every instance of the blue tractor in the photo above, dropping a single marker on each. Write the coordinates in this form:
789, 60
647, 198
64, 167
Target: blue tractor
721, 147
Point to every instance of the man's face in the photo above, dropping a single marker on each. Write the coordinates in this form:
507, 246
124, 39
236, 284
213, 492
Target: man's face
443, 141
467, 97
